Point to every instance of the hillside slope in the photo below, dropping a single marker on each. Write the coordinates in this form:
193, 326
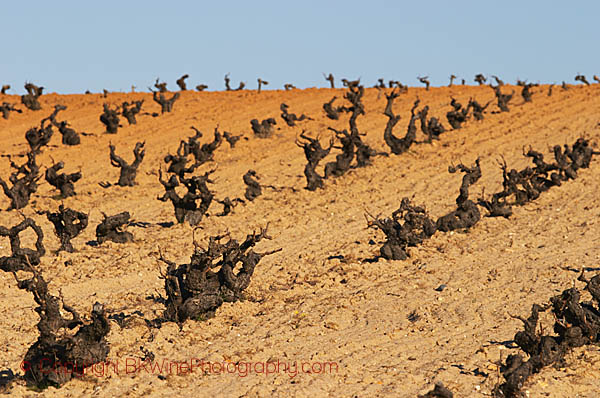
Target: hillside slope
306, 303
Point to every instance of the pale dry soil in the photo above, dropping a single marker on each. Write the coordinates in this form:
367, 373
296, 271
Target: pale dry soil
302, 306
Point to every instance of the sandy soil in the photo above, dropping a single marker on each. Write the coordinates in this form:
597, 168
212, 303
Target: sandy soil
347, 317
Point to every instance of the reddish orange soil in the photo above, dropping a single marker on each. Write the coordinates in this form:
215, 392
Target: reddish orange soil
302, 306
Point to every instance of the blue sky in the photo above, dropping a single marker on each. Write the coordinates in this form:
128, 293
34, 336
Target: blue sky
72, 46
